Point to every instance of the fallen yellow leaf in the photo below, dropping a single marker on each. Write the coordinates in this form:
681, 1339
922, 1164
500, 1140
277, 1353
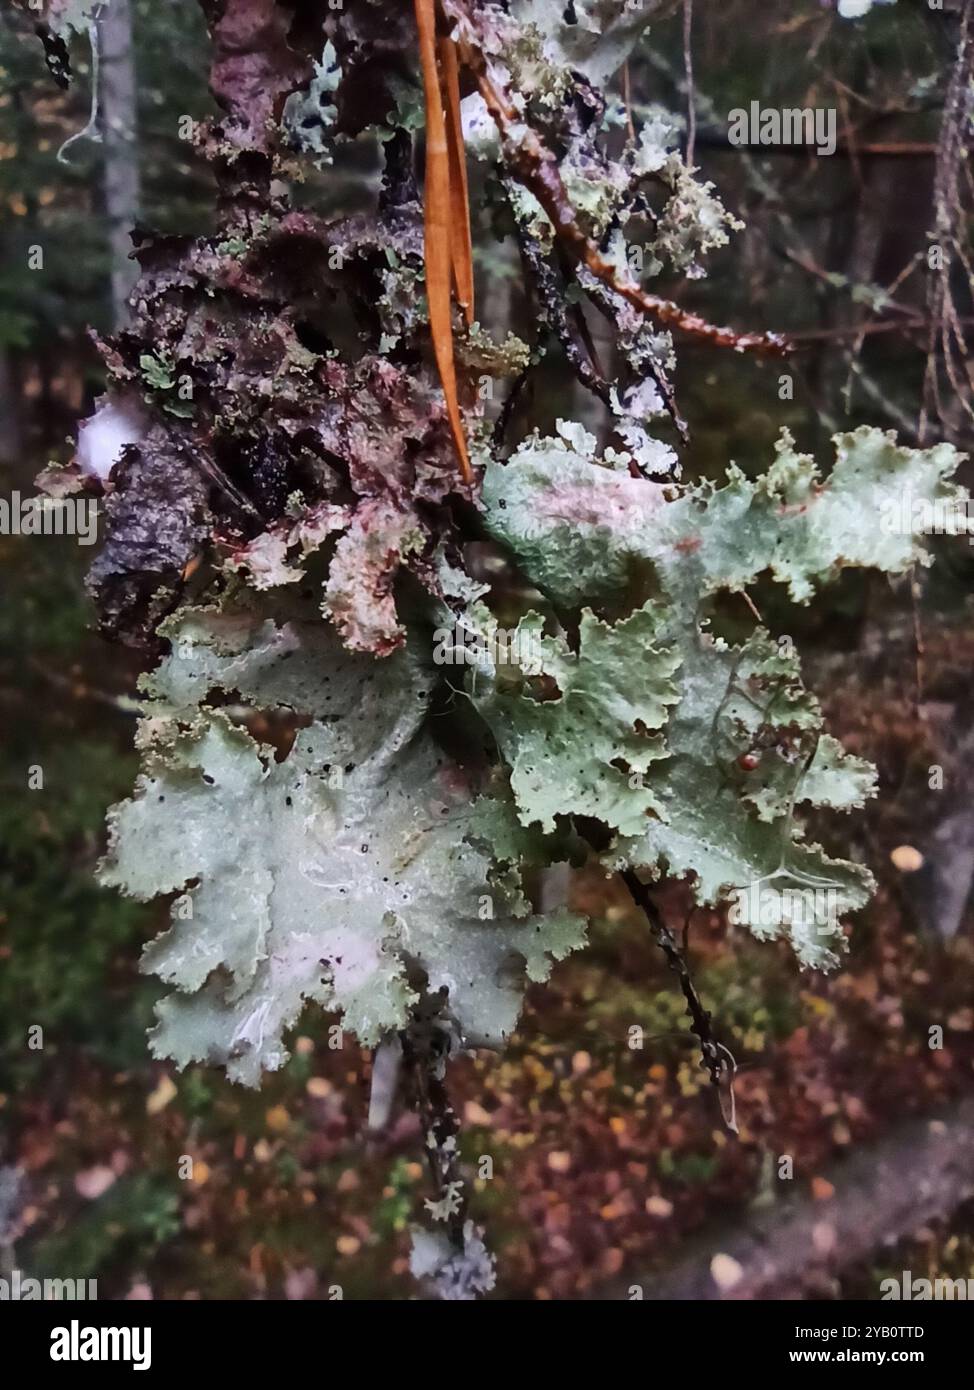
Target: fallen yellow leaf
164, 1092
277, 1119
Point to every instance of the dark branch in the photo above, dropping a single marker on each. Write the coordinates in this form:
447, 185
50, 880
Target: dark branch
715, 1057
425, 1047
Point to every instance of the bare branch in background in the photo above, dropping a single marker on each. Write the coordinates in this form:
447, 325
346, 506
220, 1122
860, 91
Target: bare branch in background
947, 347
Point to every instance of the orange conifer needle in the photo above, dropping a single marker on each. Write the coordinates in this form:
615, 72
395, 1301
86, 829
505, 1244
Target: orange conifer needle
437, 237
461, 246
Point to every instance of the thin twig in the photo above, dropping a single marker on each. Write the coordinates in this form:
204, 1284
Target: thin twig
688, 70
551, 304
537, 168
616, 309
627, 100
425, 1046
950, 212
715, 1057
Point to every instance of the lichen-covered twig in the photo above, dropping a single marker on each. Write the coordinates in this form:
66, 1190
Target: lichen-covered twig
714, 1055
550, 298
553, 311
617, 310
536, 167
425, 1046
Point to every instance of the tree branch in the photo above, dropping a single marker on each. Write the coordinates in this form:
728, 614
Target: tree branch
715, 1057
537, 168
425, 1047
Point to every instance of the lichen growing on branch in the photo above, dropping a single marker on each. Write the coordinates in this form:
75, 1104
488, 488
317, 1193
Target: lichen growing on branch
347, 817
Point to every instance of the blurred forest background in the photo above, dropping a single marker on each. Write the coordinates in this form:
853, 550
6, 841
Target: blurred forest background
611, 1165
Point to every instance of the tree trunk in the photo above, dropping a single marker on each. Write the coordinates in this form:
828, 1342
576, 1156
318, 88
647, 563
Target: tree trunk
10, 434
118, 117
